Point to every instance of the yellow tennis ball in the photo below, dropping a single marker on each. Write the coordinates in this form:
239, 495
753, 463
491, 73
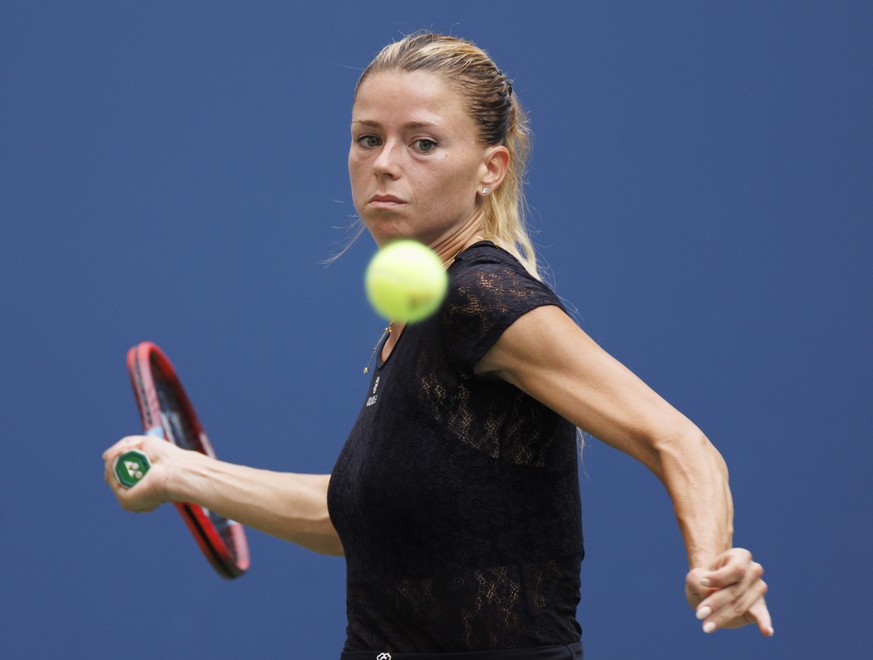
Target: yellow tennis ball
405, 281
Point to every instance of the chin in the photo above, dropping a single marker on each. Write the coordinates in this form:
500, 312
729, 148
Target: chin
384, 232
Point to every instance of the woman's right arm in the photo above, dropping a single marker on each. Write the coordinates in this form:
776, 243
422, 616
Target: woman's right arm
289, 506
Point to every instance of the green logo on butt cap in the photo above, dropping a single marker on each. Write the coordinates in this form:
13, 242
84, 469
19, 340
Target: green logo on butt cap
130, 467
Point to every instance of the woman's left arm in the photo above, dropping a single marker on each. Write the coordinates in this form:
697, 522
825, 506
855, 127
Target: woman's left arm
545, 354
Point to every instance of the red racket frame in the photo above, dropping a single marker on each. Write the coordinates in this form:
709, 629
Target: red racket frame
144, 361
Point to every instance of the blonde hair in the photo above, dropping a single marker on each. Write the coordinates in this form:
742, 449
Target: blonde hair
498, 115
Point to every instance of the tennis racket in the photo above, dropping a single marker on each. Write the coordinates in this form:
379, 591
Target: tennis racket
166, 412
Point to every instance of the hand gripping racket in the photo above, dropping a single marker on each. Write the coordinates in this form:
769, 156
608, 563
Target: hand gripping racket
167, 412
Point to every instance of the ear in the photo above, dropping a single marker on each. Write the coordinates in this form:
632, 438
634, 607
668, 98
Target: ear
495, 166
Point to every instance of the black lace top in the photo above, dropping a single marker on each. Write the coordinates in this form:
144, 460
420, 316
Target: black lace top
456, 497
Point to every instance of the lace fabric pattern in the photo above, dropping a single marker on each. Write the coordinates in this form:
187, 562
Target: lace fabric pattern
456, 497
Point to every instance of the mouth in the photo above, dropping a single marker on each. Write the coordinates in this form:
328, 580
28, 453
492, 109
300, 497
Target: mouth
385, 202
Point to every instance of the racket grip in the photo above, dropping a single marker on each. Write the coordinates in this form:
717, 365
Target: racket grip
131, 467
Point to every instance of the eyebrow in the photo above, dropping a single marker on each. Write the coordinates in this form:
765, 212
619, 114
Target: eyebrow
410, 125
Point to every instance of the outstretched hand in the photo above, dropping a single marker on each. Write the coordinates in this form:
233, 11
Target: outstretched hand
729, 593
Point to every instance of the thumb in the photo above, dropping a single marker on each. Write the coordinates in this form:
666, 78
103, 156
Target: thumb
698, 586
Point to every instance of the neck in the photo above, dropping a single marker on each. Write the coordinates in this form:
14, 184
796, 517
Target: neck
448, 248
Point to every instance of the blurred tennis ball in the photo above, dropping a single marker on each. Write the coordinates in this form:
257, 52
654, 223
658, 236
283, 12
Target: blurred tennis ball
405, 281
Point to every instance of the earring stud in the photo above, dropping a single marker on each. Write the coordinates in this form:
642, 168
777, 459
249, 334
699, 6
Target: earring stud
484, 191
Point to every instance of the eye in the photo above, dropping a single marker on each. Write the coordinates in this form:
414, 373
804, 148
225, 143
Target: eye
424, 145
368, 141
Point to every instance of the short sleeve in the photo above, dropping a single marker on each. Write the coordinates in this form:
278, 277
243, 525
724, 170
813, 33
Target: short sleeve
488, 291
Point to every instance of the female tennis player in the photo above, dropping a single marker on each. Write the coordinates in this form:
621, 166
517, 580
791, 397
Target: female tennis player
455, 500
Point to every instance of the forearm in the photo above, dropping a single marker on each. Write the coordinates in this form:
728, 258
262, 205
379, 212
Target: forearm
545, 354
289, 506
696, 478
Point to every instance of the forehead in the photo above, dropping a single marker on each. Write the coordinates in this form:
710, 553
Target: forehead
418, 96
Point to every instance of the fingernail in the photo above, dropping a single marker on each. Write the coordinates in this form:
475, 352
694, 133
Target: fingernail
703, 612
704, 582
708, 627
772, 632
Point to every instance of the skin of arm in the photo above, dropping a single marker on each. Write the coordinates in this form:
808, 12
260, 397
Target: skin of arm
289, 506
545, 354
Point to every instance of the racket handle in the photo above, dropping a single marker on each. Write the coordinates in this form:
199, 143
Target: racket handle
131, 467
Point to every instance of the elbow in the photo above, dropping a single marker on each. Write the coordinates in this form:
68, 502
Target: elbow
714, 455
325, 539
319, 543
331, 548
688, 446
322, 539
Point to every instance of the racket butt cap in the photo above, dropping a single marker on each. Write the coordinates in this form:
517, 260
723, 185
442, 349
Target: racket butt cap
131, 467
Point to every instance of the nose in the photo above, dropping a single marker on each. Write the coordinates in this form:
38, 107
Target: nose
387, 161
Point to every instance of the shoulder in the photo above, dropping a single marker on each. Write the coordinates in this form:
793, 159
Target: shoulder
485, 254
486, 272
488, 291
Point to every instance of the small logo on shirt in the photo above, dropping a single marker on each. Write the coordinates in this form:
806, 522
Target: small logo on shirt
383, 656
373, 398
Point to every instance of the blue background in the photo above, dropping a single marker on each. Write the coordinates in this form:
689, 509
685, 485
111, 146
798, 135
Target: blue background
702, 191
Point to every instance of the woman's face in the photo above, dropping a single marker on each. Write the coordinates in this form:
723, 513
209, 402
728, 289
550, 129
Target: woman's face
415, 163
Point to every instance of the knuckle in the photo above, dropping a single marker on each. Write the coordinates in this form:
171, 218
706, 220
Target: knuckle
736, 610
740, 554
